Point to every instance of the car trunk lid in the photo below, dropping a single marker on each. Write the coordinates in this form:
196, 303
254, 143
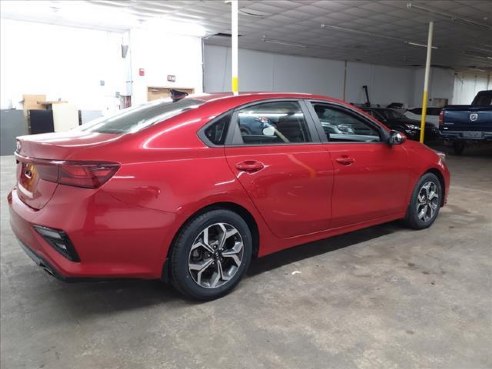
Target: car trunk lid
40, 157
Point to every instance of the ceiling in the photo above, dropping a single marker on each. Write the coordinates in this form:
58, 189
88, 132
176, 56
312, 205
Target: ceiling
379, 32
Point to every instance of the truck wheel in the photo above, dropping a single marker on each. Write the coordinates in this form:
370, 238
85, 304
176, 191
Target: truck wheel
458, 147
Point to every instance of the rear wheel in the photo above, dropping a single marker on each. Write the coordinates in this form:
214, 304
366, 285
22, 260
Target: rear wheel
425, 203
211, 255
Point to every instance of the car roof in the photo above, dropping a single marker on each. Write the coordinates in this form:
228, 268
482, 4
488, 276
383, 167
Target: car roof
260, 95
376, 108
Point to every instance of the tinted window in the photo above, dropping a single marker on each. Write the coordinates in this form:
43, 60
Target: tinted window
388, 114
342, 126
137, 118
279, 122
391, 114
217, 132
430, 111
483, 99
376, 115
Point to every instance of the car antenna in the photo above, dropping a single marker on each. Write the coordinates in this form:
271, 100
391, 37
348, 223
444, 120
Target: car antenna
177, 95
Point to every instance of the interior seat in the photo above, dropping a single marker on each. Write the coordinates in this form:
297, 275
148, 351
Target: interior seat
290, 126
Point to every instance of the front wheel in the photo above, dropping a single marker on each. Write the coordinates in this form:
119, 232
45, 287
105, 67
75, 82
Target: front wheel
425, 202
211, 255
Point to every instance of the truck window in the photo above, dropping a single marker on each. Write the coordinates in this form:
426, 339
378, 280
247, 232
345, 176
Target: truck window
483, 98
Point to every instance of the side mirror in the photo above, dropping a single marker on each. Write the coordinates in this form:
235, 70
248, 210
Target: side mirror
396, 138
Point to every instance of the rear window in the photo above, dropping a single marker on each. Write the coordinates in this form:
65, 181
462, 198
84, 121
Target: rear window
137, 118
391, 114
483, 99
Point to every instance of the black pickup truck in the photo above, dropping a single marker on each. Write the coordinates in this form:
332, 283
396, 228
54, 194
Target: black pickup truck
463, 124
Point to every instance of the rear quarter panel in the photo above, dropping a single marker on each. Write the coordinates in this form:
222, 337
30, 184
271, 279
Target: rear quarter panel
170, 170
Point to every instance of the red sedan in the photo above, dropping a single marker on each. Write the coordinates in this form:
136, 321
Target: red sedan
191, 190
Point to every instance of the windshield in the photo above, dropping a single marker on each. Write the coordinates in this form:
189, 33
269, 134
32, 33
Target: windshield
137, 118
391, 114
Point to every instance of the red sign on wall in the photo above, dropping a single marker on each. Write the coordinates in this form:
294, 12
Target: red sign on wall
141, 72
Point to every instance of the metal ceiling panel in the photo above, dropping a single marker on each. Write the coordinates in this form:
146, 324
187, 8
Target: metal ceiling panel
457, 23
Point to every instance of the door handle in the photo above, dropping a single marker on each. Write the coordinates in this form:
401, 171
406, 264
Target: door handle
345, 160
250, 166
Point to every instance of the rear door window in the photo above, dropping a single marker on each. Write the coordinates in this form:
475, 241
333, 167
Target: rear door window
271, 123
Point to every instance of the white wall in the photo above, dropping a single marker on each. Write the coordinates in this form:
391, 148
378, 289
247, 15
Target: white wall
161, 54
441, 85
467, 84
61, 62
385, 84
262, 71
68, 63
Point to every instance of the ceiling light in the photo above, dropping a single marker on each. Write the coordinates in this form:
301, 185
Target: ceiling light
181, 28
96, 13
477, 55
74, 13
449, 17
375, 35
280, 42
420, 45
252, 13
365, 33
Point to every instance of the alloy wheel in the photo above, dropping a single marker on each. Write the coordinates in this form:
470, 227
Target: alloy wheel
427, 201
216, 255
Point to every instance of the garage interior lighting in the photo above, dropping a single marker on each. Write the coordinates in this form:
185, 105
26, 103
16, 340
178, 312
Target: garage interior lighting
450, 17
280, 42
476, 53
169, 26
376, 35
365, 33
253, 13
420, 45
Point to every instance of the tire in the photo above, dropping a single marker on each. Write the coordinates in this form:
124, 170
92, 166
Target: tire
425, 202
203, 264
458, 147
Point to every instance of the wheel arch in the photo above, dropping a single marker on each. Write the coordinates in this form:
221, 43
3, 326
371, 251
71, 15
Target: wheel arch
238, 209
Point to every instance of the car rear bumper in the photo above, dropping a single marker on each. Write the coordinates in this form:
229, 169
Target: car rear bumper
119, 252
431, 132
466, 135
46, 266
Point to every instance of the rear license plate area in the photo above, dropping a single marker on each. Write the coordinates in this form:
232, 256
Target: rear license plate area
28, 176
472, 135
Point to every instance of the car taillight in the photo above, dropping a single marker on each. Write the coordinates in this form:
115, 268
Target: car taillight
78, 174
441, 118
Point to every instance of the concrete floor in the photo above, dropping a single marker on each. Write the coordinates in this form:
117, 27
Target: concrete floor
385, 297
